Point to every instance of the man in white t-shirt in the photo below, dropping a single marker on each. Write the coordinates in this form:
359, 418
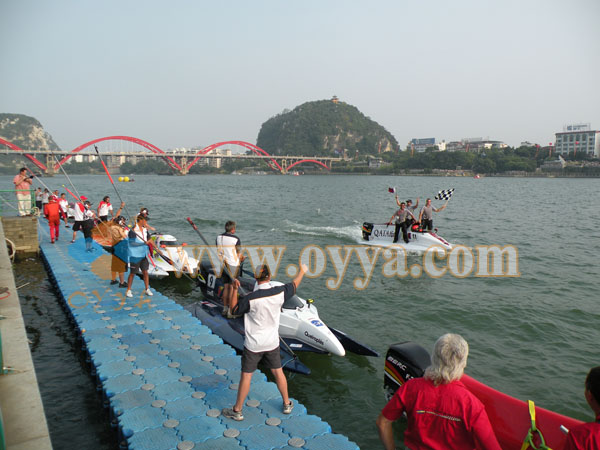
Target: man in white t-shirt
261, 341
104, 208
229, 249
64, 208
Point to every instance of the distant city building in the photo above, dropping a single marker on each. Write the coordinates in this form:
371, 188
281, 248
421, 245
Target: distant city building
79, 157
215, 162
578, 138
473, 145
420, 145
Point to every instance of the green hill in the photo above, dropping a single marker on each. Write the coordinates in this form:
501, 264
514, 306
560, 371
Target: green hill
25, 132
324, 128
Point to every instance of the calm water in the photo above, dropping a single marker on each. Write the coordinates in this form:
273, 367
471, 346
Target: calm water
533, 337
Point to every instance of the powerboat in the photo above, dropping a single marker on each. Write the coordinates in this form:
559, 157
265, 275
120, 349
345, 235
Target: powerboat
418, 241
510, 417
301, 328
170, 257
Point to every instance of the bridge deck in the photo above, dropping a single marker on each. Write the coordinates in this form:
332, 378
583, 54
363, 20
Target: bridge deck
164, 375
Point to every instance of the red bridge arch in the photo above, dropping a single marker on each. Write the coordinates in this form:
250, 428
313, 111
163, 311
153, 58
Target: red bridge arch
308, 161
32, 158
273, 164
154, 149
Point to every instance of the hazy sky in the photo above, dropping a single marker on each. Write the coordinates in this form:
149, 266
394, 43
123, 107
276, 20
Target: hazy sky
192, 73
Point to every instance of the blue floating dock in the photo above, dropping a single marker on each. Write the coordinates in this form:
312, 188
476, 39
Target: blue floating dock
164, 376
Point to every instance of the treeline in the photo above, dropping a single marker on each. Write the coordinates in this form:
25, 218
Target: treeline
492, 161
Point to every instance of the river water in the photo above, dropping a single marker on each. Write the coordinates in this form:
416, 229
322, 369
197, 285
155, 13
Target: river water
533, 336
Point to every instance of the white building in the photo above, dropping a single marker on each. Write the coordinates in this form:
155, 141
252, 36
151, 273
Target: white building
578, 138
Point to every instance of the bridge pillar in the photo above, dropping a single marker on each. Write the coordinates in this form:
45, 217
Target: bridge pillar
50, 165
284, 166
184, 166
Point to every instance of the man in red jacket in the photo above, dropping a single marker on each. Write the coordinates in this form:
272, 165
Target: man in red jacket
52, 213
442, 413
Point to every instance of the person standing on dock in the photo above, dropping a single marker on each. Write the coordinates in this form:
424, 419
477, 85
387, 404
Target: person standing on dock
138, 249
229, 249
22, 184
587, 436
104, 208
262, 311
64, 208
52, 213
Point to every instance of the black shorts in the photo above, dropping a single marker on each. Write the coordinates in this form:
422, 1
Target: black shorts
229, 272
143, 265
271, 360
78, 225
104, 218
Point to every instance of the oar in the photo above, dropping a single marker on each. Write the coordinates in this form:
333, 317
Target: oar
111, 180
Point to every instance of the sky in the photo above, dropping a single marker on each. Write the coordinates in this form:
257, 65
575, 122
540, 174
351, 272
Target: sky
187, 73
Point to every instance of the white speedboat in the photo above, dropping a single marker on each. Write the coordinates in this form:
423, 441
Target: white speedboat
170, 257
418, 241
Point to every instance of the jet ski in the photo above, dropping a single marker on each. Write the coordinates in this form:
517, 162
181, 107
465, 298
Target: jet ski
170, 257
301, 328
418, 241
509, 416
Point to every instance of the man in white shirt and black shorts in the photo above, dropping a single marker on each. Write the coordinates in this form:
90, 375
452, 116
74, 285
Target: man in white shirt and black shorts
262, 311
229, 249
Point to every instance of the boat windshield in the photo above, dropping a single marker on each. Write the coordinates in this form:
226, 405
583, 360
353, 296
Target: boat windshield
293, 302
169, 243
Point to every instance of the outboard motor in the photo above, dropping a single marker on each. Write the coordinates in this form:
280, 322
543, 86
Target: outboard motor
367, 229
403, 361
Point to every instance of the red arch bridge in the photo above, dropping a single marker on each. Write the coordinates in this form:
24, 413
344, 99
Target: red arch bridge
179, 162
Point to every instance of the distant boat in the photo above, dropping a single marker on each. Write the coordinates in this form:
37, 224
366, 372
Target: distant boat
477, 177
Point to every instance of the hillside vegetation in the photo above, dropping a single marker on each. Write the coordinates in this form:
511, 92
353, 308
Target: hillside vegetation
324, 128
25, 132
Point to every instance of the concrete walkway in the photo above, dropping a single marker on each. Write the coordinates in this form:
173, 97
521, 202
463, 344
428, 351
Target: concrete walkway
23, 415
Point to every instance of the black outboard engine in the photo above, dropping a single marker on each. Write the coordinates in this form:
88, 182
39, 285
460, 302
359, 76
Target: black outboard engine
403, 361
367, 229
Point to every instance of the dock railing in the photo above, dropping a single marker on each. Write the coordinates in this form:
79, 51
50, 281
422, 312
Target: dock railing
9, 205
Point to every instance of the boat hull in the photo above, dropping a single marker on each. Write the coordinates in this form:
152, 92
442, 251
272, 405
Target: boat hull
418, 241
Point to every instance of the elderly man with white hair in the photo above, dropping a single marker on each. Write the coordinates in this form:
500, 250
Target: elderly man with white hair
442, 413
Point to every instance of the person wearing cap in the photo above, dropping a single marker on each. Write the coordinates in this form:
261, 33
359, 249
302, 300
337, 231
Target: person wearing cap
22, 184
144, 212
88, 225
78, 215
138, 249
52, 213
262, 311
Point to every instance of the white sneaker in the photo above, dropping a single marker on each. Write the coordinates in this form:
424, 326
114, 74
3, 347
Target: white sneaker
129, 293
149, 292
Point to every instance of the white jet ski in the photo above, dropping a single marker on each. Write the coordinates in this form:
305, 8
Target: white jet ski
172, 258
300, 327
418, 241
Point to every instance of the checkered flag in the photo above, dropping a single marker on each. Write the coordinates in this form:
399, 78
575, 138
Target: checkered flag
446, 194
